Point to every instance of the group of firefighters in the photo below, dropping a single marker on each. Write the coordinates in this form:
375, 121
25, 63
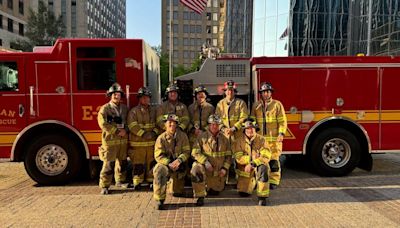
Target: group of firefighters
169, 142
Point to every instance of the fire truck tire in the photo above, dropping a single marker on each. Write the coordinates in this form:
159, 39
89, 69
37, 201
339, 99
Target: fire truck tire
335, 152
52, 160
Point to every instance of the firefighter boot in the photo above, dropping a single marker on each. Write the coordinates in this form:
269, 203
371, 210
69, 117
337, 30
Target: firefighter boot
273, 186
200, 201
160, 205
104, 191
121, 185
262, 201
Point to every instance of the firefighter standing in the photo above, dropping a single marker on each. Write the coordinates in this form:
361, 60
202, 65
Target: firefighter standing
171, 152
232, 110
213, 159
173, 105
199, 112
252, 158
143, 133
270, 116
112, 121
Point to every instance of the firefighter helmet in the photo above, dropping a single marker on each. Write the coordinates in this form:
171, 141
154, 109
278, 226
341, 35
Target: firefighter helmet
265, 86
171, 117
144, 91
214, 119
230, 85
199, 89
171, 88
250, 122
115, 88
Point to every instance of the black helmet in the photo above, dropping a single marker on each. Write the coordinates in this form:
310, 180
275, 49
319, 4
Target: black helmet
265, 86
172, 87
199, 89
249, 122
144, 91
114, 89
170, 117
214, 119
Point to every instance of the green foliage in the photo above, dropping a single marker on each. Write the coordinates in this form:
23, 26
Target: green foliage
43, 29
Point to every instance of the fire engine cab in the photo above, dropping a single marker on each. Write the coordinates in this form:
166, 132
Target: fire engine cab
340, 110
50, 98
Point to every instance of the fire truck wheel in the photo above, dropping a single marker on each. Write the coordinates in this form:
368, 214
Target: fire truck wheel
335, 152
52, 160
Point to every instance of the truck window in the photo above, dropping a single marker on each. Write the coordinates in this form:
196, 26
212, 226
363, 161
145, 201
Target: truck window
8, 76
96, 69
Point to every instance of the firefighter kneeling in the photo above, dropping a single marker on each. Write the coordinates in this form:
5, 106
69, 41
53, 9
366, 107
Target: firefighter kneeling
212, 161
252, 155
171, 152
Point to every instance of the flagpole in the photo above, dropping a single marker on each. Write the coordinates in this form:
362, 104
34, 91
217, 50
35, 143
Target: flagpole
171, 40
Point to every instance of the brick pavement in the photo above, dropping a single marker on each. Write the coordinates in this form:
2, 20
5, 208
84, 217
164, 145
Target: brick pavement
363, 199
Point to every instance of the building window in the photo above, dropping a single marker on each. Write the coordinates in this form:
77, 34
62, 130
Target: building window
215, 17
215, 3
1, 42
175, 28
10, 4
208, 29
21, 6
186, 16
8, 76
215, 29
186, 28
10, 25
208, 16
73, 19
215, 43
21, 29
1, 21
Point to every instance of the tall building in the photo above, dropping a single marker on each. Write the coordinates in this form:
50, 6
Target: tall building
13, 19
326, 27
90, 18
189, 30
225, 24
236, 25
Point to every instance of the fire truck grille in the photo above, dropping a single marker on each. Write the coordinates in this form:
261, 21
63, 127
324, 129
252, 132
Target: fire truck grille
231, 70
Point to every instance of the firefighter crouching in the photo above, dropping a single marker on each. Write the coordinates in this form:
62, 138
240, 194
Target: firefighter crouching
199, 112
270, 116
114, 139
171, 152
252, 158
212, 161
143, 133
173, 105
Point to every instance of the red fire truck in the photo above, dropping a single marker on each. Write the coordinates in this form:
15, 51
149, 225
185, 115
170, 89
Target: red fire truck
340, 110
49, 100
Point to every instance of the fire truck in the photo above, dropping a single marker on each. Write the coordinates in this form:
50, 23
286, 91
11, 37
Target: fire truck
340, 110
49, 101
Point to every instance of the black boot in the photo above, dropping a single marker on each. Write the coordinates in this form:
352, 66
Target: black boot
262, 201
200, 201
212, 192
273, 186
244, 194
160, 205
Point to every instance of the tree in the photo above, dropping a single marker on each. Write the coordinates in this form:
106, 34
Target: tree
43, 28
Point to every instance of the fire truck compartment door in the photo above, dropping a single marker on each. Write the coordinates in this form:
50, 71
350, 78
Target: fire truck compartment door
52, 92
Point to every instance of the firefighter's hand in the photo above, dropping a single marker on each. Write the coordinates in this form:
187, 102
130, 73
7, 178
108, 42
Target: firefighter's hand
222, 172
208, 166
121, 132
279, 138
197, 132
248, 168
148, 135
174, 165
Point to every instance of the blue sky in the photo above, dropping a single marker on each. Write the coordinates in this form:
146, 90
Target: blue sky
143, 20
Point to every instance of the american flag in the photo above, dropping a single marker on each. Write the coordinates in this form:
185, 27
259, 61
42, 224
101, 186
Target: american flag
196, 5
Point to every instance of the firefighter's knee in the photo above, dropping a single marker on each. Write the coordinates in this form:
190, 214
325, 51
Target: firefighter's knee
160, 172
138, 169
109, 169
262, 172
196, 174
274, 165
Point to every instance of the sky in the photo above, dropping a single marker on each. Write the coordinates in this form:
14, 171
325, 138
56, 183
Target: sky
143, 20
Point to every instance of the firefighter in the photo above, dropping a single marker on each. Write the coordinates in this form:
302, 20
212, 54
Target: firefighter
232, 110
252, 157
112, 121
212, 161
173, 105
270, 116
171, 152
143, 133
199, 112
